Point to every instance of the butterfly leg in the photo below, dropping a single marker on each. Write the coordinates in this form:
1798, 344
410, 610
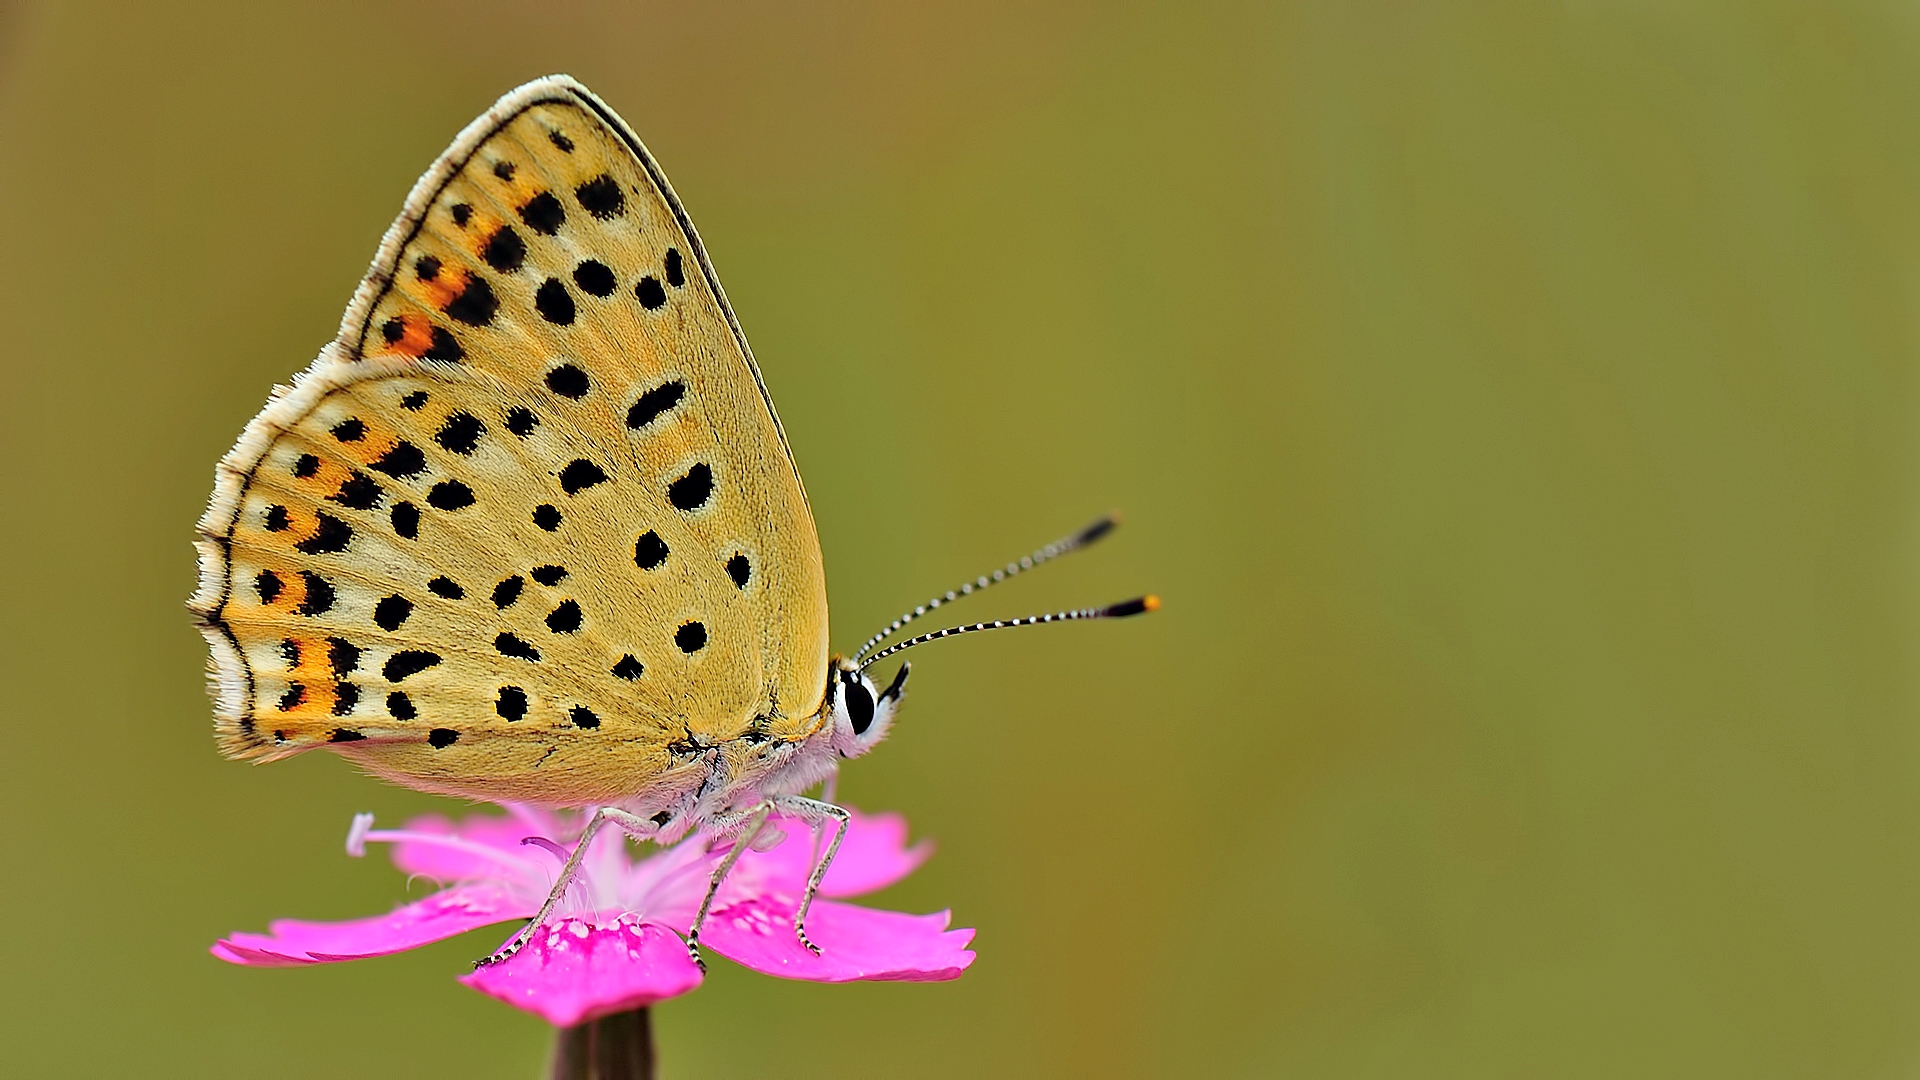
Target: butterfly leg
828, 788
748, 825
815, 813
560, 886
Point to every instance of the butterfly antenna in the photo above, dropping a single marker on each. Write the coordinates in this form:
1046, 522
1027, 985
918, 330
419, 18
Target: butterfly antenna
1060, 547
1137, 606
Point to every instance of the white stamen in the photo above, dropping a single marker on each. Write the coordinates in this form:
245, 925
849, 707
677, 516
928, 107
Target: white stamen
357, 835
451, 843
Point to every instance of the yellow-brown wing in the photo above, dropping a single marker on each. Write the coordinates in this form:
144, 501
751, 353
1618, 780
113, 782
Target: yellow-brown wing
529, 528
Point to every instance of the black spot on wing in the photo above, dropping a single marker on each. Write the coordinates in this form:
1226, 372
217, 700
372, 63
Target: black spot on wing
330, 536
649, 551
290, 652
345, 697
505, 251
569, 382
583, 717
450, 495
358, 492
343, 656
403, 461
691, 637
649, 292
305, 466
559, 139
408, 662
554, 303
544, 214
294, 695
268, 585
461, 433
393, 330
691, 491
546, 517
505, 593
350, 430
521, 421
476, 303
739, 569
446, 588
629, 668
601, 197
579, 475
415, 401
391, 612
346, 734
426, 267
511, 704
462, 213
440, 738
595, 278
511, 645
503, 169
675, 276
400, 706
654, 402
406, 520
564, 619
319, 594
549, 574
277, 519
444, 347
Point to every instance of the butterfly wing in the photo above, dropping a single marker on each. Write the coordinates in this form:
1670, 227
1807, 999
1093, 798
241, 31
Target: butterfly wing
529, 528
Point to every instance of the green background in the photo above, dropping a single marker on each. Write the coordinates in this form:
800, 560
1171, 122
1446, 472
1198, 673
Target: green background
1515, 405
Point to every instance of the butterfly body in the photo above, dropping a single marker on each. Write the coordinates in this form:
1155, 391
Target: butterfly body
528, 528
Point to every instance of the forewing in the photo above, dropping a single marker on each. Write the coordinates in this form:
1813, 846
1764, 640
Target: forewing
539, 382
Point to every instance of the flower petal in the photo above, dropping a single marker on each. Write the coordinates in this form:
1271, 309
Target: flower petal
873, 856
436, 918
855, 942
572, 971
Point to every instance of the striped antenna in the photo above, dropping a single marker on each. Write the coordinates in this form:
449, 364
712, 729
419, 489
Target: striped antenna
1121, 610
1052, 551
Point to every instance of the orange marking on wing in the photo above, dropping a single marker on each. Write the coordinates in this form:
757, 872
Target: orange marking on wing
313, 660
416, 337
316, 703
441, 290
326, 478
300, 523
379, 440
293, 590
303, 524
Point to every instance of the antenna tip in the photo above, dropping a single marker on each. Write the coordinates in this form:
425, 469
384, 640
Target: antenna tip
1137, 606
1096, 530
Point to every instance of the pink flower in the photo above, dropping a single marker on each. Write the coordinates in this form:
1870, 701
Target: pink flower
615, 943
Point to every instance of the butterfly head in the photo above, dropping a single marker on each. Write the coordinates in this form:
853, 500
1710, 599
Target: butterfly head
861, 712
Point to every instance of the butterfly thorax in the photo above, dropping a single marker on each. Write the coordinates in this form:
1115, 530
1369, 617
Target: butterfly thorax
854, 717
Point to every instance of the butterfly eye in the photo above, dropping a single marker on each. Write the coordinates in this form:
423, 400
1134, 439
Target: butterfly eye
859, 706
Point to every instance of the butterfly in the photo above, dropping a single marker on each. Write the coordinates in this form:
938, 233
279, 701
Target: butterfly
528, 528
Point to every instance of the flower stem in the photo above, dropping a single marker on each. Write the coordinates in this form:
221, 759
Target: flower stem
617, 1047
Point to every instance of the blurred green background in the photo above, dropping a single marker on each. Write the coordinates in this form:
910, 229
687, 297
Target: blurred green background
1515, 404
